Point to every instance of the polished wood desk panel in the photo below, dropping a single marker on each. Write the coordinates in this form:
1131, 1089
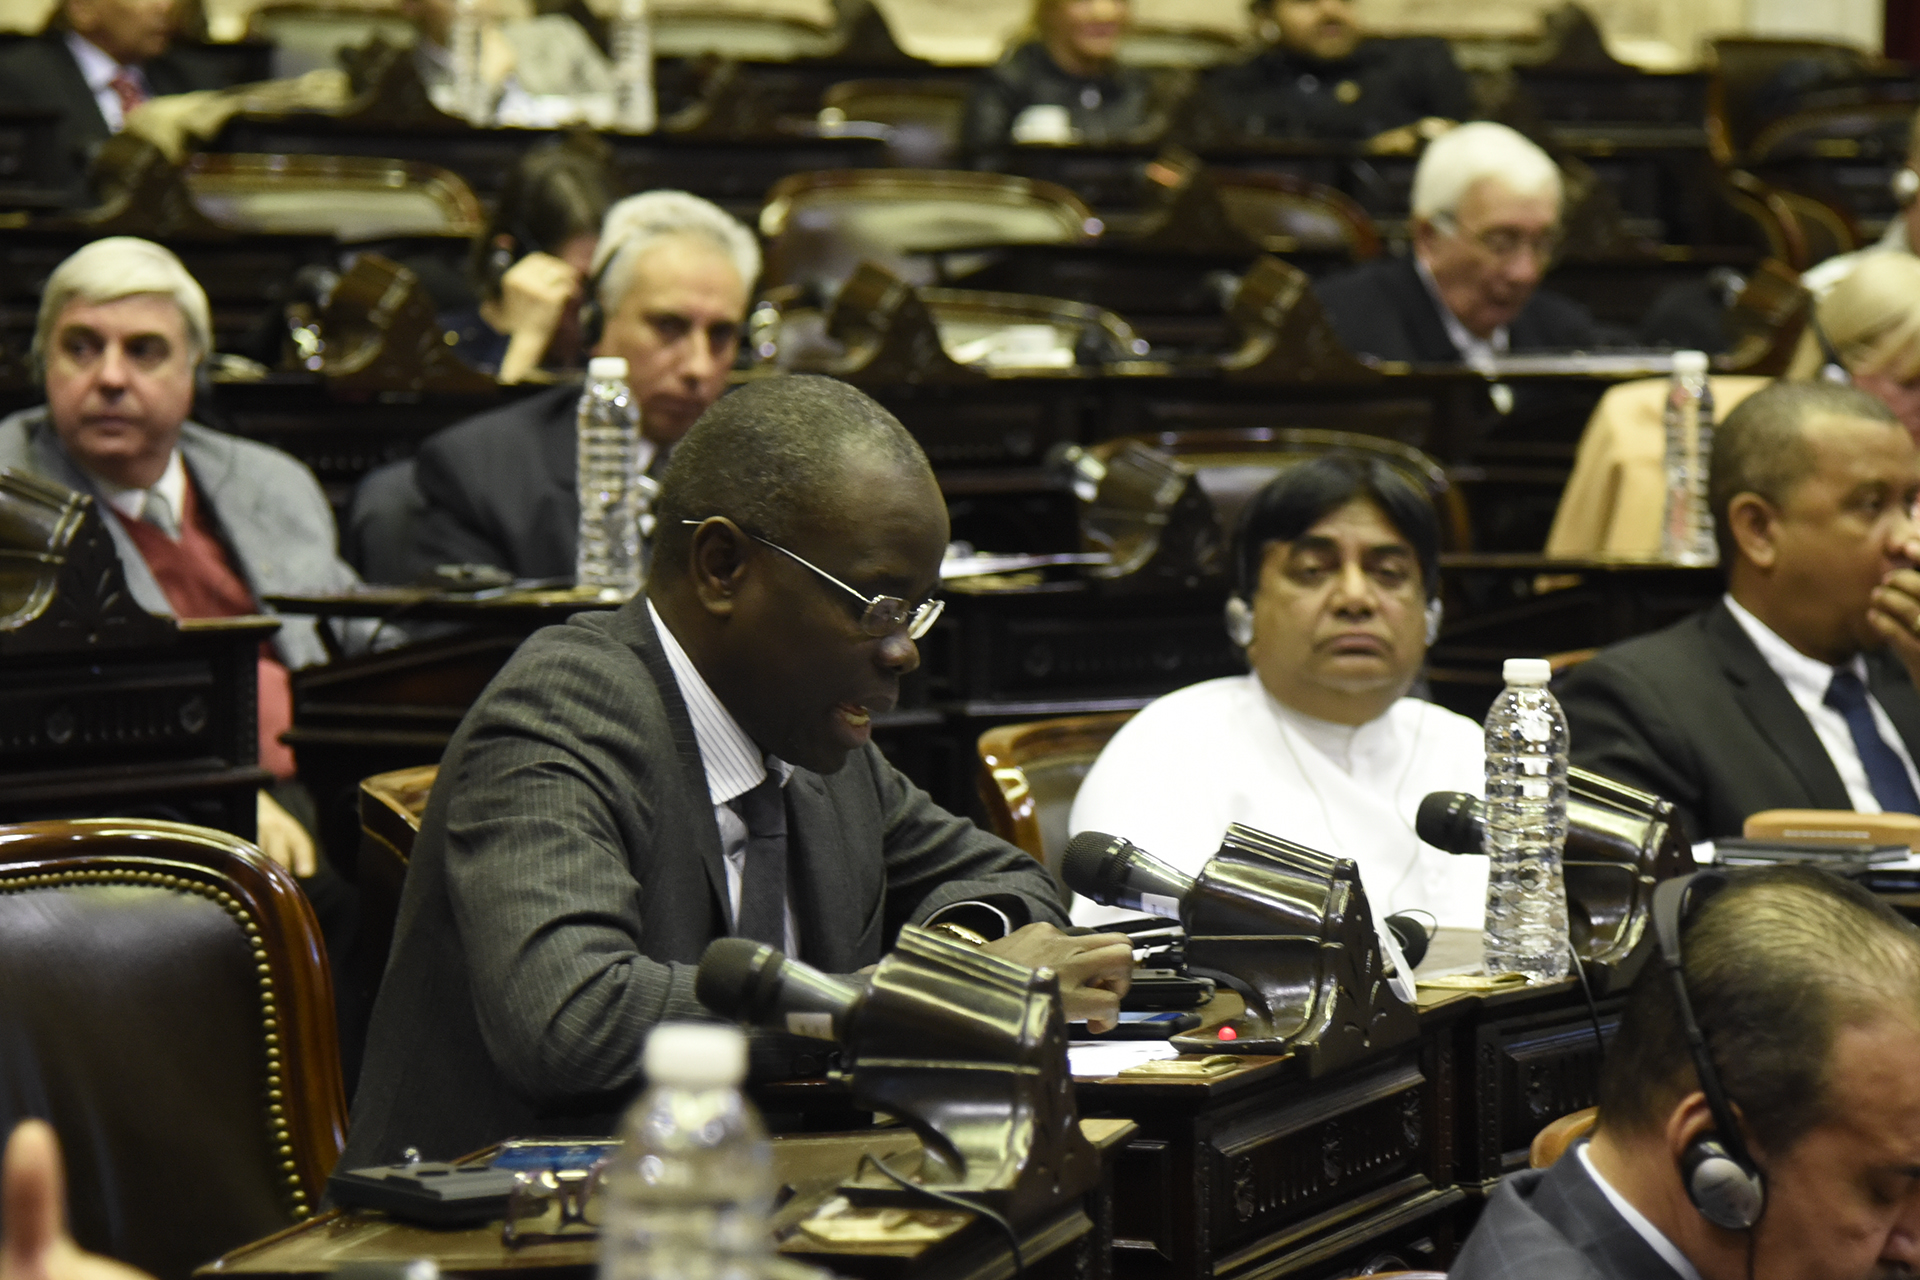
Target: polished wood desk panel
1066, 1245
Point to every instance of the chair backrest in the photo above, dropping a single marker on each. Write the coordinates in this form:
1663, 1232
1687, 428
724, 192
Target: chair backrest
1030, 773
167, 1007
391, 806
1552, 1142
823, 225
1286, 214
1234, 463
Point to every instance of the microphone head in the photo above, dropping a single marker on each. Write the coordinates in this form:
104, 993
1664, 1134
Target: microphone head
738, 978
1119, 873
1451, 820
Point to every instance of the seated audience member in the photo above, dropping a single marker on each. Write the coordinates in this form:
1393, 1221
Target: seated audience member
1337, 570
205, 523
34, 1241
1796, 690
624, 792
1060, 84
1867, 333
1486, 224
97, 61
1321, 79
1807, 991
531, 262
1902, 234
671, 276
536, 70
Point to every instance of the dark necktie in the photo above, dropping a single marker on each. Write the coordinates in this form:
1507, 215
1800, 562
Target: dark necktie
763, 880
1886, 773
128, 86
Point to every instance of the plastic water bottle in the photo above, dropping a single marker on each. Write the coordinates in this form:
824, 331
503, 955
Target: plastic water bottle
689, 1193
608, 443
1686, 533
1526, 827
472, 99
632, 39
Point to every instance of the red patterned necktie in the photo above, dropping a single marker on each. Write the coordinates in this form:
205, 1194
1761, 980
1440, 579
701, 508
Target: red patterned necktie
128, 87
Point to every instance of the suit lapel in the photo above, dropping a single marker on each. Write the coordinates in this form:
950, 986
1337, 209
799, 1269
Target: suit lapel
634, 626
50, 460
1774, 713
83, 110
1421, 313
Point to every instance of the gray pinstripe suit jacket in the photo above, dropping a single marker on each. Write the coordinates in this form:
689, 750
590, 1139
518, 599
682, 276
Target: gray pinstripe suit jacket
568, 876
1555, 1224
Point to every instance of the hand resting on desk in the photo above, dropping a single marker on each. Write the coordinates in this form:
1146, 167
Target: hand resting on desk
33, 1197
1095, 969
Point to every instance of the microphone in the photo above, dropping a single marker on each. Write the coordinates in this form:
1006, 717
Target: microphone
752, 982
1452, 820
1119, 873
1413, 934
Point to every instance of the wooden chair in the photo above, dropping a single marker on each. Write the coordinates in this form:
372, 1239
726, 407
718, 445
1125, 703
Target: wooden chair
1029, 774
935, 106
1552, 1142
824, 225
1286, 214
167, 1007
1233, 463
391, 806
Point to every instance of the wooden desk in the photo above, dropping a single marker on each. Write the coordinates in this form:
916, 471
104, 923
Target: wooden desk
1070, 1244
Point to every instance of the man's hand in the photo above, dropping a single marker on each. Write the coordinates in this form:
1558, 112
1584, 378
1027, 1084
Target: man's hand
33, 1197
534, 294
282, 838
1095, 970
1894, 611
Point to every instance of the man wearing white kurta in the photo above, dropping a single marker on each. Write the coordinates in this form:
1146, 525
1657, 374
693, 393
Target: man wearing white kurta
1319, 743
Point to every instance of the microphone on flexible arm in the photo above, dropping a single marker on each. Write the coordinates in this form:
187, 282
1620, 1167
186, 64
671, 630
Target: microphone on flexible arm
1118, 873
752, 982
1452, 820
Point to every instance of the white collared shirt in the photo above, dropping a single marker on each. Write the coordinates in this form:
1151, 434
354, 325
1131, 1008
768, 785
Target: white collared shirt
132, 503
1655, 1238
1476, 353
1807, 680
98, 68
732, 763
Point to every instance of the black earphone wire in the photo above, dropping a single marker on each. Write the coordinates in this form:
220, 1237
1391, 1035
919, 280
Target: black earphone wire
965, 1206
1586, 989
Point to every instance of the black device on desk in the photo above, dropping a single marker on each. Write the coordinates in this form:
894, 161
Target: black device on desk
1140, 1024
426, 1191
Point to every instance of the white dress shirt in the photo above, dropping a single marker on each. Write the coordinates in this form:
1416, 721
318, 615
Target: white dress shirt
171, 488
1642, 1226
1476, 353
1807, 680
733, 765
98, 68
1224, 751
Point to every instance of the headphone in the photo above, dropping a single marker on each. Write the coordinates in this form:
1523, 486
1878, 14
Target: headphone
1831, 369
1905, 184
1239, 620
1719, 1174
593, 319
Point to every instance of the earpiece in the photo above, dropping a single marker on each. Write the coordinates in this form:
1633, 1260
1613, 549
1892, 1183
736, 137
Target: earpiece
1905, 184
1435, 612
1239, 620
1718, 1173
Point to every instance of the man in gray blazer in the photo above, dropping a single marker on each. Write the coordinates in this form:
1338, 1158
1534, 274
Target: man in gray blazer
1806, 989
695, 765
205, 523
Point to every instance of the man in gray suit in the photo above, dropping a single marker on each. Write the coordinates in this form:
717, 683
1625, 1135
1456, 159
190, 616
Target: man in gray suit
695, 765
205, 523
1807, 992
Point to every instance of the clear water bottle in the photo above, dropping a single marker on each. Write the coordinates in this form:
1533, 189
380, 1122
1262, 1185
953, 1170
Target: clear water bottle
608, 444
1526, 817
632, 39
472, 98
689, 1194
1686, 533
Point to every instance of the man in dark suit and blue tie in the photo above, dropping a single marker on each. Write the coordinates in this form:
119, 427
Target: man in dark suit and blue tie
695, 765
1796, 691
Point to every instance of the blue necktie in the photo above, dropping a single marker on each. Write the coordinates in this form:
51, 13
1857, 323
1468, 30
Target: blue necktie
1886, 772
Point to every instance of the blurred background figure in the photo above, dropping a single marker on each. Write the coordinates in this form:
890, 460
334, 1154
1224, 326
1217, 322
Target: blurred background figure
1061, 82
1866, 331
540, 72
529, 267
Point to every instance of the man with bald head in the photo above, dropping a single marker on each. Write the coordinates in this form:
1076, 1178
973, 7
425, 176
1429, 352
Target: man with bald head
697, 764
671, 277
1796, 691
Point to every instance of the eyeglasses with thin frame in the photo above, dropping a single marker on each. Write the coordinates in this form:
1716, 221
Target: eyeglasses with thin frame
1505, 243
883, 615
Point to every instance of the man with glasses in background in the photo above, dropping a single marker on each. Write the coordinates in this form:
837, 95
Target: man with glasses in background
1486, 225
697, 764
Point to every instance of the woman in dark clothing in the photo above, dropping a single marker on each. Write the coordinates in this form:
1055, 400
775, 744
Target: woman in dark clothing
1061, 84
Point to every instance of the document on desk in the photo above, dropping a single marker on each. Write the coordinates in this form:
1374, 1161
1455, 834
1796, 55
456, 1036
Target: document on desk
1098, 1059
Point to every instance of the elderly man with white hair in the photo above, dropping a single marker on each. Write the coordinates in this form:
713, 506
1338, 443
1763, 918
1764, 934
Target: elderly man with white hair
1486, 224
671, 277
205, 523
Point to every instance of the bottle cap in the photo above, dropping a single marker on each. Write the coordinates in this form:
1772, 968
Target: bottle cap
1690, 364
1526, 671
695, 1054
607, 367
